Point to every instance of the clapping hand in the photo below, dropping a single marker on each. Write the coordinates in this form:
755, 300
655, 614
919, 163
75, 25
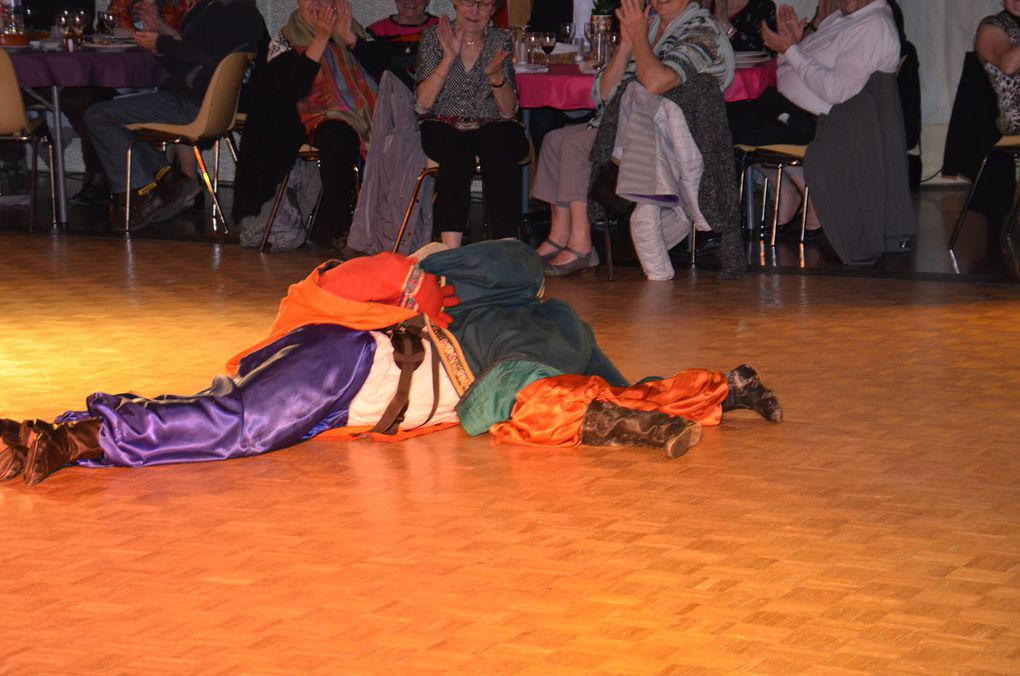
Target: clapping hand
633, 21
344, 25
789, 30
322, 19
451, 41
495, 65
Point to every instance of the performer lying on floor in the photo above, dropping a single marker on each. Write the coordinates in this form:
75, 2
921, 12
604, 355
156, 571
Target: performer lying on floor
338, 363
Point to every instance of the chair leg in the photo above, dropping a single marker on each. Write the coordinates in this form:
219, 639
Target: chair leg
216, 166
764, 207
775, 206
966, 204
803, 212
607, 242
310, 223
35, 179
694, 242
276, 207
53, 183
217, 212
127, 190
428, 171
231, 145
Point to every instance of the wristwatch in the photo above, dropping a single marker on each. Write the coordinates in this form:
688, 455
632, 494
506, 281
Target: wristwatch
498, 86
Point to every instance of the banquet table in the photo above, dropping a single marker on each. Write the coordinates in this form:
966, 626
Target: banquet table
565, 87
85, 68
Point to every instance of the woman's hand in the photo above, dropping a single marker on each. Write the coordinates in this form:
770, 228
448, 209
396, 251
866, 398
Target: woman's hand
495, 68
720, 9
322, 19
633, 21
344, 23
451, 41
789, 30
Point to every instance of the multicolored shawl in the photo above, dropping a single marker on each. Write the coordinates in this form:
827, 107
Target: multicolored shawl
341, 91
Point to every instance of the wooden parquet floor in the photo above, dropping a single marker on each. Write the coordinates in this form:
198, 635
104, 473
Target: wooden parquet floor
876, 531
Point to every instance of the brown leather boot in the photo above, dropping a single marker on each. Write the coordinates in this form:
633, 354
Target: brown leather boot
606, 424
57, 445
747, 391
15, 438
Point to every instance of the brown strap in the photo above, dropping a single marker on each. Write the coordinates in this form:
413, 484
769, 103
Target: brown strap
408, 354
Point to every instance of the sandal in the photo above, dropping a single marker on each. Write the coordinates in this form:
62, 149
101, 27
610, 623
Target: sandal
557, 248
581, 262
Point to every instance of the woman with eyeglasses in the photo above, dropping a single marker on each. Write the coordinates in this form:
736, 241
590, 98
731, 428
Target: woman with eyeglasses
466, 99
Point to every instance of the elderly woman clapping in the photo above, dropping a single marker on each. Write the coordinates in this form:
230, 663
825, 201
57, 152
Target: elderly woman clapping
467, 99
658, 52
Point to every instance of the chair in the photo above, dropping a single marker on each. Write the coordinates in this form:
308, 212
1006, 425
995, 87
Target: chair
215, 117
777, 157
306, 153
1007, 145
15, 127
431, 169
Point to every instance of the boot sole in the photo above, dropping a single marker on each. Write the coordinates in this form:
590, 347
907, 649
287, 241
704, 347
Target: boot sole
681, 443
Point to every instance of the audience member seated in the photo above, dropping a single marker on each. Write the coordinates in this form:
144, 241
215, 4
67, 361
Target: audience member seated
163, 17
998, 47
168, 12
742, 21
401, 32
822, 63
467, 100
211, 30
659, 53
310, 90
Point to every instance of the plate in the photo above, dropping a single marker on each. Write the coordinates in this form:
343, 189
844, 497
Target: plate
17, 48
531, 68
751, 55
95, 46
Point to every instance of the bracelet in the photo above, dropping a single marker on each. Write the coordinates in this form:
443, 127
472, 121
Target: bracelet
498, 86
731, 31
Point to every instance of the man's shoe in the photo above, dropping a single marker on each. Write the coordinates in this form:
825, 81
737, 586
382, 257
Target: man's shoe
177, 191
146, 208
95, 189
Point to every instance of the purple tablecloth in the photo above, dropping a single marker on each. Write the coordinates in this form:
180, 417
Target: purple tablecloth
132, 68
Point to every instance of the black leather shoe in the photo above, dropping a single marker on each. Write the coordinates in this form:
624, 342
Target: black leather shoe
177, 191
95, 189
146, 209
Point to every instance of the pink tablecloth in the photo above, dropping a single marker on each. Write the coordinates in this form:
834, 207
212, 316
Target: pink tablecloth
132, 68
564, 87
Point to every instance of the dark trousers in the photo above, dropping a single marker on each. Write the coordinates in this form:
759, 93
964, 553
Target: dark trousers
770, 119
74, 101
499, 146
339, 147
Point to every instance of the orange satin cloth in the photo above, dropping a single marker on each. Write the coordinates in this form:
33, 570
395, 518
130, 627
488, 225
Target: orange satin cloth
308, 303
549, 411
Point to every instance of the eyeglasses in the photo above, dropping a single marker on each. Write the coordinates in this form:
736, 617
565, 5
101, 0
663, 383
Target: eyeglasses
484, 6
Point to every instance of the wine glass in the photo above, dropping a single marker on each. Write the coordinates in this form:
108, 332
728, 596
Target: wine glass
107, 22
567, 32
531, 40
547, 41
78, 21
64, 22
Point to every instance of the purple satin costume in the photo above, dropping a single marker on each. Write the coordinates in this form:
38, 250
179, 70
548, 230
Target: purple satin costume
289, 390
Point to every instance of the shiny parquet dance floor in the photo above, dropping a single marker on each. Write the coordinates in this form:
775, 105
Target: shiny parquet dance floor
876, 531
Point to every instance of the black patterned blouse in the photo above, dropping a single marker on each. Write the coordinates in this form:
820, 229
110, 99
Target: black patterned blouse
466, 95
748, 24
